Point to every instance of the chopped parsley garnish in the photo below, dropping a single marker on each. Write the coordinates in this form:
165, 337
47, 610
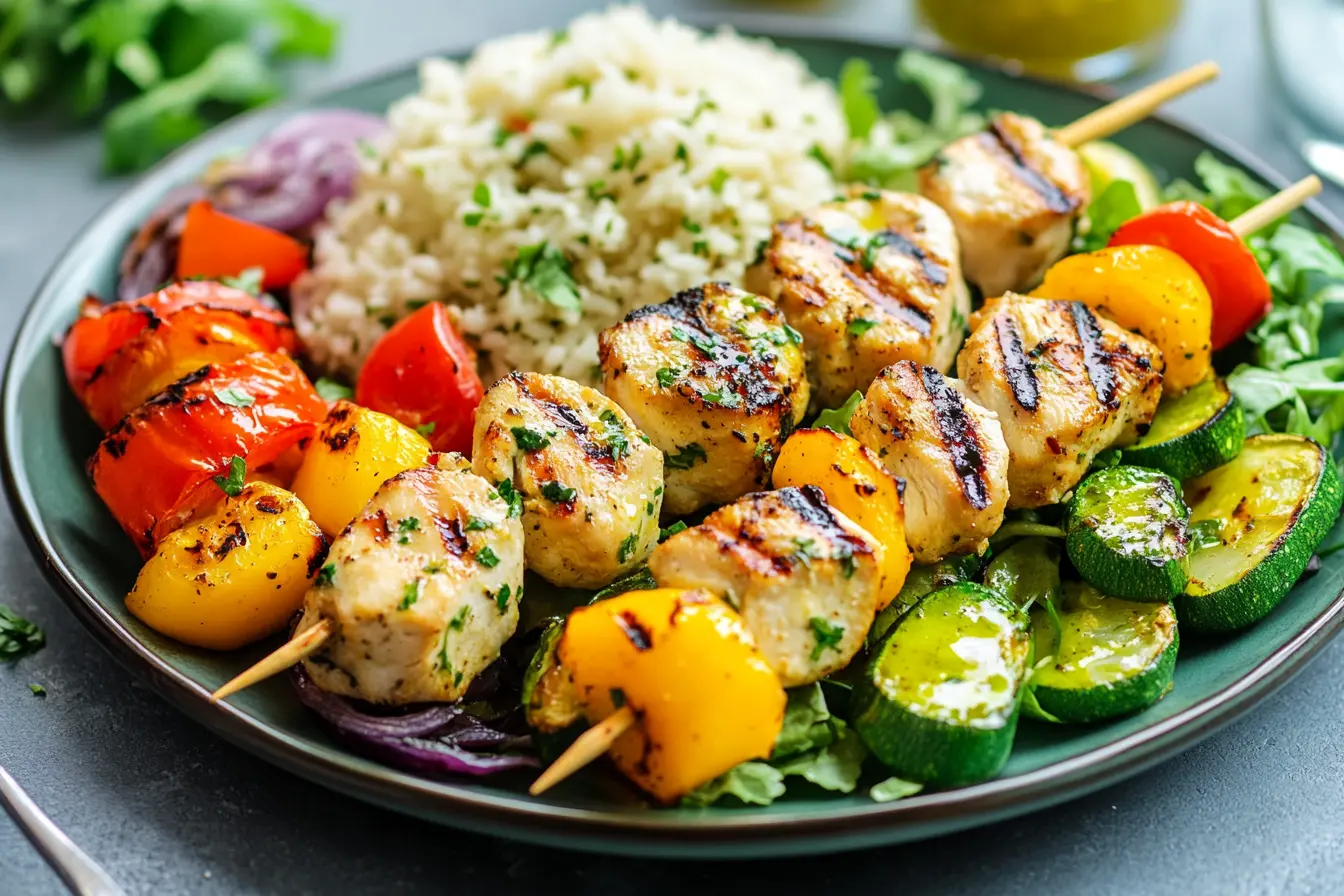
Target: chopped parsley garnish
406, 527
411, 593
827, 634
794, 336
872, 195
459, 618
473, 219
723, 399
18, 636
680, 335
691, 226
330, 390
325, 576
529, 439
597, 191
38, 690
502, 598
615, 435
701, 248
648, 508
235, 397
718, 179
476, 524
658, 491
545, 272
860, 325
433, 567
682, 156
805, 551
665, 534
557, 493
848, 565
249, 281
232, 484
817, 153
508, 494
667, 376
686, 457
704, 105
558, 38
585, 86
629, 160
481, 195
706, 344
426, 429
487, 558
535, 148
627, 548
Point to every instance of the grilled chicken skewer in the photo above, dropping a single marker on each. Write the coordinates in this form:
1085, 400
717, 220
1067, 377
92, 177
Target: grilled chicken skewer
715, 377
1065, 385
417, 596
868, 279
1015, 191
804, 577
949, 450
587, 482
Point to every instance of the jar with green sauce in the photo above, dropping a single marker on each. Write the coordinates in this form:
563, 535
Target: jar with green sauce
1086, 40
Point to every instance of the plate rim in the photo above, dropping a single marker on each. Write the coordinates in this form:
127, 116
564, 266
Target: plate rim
649, 832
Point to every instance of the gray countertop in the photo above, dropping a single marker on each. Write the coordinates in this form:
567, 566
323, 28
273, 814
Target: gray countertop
168, 807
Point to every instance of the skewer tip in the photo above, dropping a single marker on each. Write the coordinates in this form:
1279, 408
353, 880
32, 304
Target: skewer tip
275, 663
590, 745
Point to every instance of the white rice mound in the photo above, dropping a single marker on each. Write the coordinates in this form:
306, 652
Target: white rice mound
719, 135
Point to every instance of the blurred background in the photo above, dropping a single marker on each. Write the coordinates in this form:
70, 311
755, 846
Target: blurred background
1249, 811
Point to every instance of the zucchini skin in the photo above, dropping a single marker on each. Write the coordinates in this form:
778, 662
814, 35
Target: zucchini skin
1117, 573
935, 752
1082, 706
1257, 593
1206, 448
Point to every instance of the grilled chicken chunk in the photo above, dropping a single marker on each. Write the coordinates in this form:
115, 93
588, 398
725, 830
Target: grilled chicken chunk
716, 379
586, 480
421, 588
1014, 195
869, 279
804, 577
948, 449
1065, 384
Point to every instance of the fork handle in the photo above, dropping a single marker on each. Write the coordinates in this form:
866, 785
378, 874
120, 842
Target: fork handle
80, 873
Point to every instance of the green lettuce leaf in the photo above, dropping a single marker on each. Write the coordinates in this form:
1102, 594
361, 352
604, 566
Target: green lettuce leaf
1111, 207
858, 98
893, 789
837, 419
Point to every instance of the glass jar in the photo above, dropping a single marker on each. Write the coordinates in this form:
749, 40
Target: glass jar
1086, 40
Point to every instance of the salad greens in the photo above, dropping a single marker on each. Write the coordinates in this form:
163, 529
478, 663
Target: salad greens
813, 745
896, 144
164, 68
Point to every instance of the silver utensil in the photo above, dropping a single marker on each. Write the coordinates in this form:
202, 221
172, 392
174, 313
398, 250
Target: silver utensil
80, 873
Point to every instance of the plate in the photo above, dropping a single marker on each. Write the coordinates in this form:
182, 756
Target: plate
46, 439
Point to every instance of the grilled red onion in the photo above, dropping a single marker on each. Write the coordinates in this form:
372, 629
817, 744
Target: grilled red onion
432, 741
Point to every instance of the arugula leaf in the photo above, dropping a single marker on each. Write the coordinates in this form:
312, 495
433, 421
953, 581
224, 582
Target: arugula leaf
1112, 207
1306, 274
893, 789
858, 99
18, 636
837, 419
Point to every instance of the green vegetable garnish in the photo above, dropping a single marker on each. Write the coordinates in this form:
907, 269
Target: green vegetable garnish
232, 484
18, 636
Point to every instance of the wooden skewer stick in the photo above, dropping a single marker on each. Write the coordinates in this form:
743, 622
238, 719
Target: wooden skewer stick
279, 661
1275, 207
1133, 108
590, 745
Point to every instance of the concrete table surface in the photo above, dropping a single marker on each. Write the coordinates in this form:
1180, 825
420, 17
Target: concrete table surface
169, 808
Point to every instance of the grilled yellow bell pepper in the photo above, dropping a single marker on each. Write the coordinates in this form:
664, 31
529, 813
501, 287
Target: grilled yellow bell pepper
856, 484
1147, 289
233, 577
704, 696
353, 452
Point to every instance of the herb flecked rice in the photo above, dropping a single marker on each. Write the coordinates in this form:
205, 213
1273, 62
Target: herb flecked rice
555, 181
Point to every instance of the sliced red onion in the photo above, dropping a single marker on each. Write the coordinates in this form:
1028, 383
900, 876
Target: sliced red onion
287, 180
284, 182
435, 740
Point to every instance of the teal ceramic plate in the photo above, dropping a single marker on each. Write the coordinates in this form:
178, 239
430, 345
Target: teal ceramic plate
91, 564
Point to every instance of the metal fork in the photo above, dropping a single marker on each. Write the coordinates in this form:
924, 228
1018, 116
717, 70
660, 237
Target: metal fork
81, 874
